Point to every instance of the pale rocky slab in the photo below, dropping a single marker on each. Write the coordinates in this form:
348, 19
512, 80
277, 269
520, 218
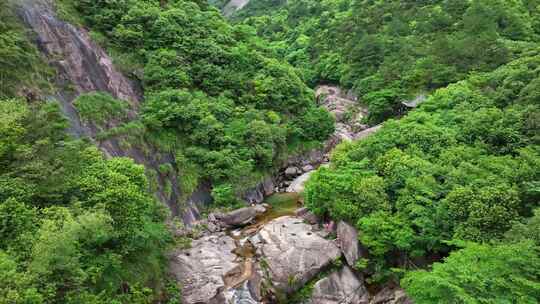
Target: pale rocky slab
293, 254
340, 287
200, 269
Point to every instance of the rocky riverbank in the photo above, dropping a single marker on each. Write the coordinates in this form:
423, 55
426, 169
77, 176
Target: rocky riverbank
247, 257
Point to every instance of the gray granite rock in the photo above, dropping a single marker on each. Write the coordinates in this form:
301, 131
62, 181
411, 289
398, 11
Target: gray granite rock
200, 269
293, 254
391, 295
348, 243
340, 287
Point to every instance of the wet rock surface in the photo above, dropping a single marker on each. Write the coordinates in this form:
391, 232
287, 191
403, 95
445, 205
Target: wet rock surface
293, 253
340, 287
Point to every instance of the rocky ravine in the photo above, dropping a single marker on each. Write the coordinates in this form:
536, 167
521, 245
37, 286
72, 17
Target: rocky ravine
295, 171
266, 263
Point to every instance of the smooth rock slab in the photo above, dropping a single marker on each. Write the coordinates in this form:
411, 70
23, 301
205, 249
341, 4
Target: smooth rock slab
340, 287
297, 185
240, 217
292, 253
200, 270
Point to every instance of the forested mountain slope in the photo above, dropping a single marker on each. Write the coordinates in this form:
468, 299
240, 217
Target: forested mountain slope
460, 171
464, 167
74, 227
389, 51
213, 96
442, 200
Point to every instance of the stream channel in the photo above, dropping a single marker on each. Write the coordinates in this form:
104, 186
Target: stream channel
278, 205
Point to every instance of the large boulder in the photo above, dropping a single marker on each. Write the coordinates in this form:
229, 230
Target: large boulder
340, 287
292, 171
391, 295
257, 194
292, 253
200, 269
240, 217
348, 242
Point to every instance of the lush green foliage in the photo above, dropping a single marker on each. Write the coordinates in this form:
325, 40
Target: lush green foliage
464, 166
20, 65
74, 227
100, 108
390, 50
506, 273
213, 95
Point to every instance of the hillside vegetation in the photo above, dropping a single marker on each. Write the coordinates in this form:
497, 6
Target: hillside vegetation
215, 97
445, 197
388, 51
455, 181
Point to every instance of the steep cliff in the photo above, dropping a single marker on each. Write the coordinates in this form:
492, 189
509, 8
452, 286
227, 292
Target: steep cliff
82, 67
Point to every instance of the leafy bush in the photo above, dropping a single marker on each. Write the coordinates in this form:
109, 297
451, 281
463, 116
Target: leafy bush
100, 108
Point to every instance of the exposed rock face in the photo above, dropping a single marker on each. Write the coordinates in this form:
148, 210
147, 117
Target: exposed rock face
85, 67
200, 270
240, 217
293, 253
367, 132
297, 185
420, 98
391, 295
83, 63
234, 6
349, 244
257, 194
341, 287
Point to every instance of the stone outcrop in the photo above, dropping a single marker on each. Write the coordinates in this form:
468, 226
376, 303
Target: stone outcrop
391, 295
307, 216
233, 6
293, 254
240, 217
200, 269
297, 185
340, 287
348, 243
257, 194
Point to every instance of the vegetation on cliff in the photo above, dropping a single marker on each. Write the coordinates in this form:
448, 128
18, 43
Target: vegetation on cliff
213, 95
74, 227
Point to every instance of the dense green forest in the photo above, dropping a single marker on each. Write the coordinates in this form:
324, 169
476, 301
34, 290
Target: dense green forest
74, 227
446, 197
215, 97
462, 168
388, 51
